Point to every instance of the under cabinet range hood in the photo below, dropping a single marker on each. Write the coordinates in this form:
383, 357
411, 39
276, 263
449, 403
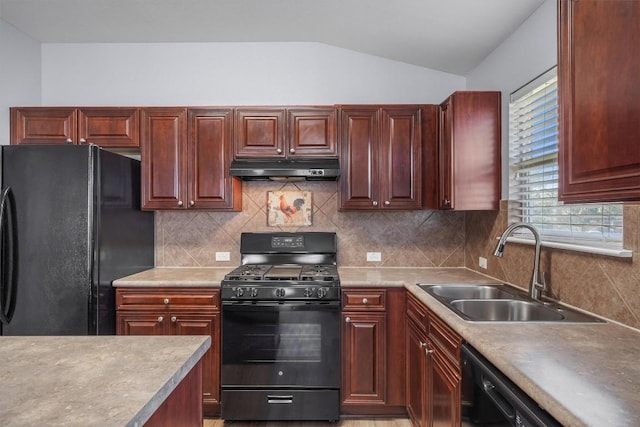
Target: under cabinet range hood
321, 169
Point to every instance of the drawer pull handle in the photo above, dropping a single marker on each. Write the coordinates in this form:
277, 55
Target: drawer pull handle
365, 301
160, 319
166, 300
174, 319
279, 400
347, 319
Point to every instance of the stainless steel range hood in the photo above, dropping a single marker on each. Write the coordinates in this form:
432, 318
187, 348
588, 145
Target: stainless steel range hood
286, 169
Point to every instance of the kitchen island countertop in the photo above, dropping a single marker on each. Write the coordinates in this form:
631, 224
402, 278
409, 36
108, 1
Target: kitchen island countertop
583, 374
91, 380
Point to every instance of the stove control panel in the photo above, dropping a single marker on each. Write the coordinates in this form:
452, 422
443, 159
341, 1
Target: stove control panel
280, 293
287, 242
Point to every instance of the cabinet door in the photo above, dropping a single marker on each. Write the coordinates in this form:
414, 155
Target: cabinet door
444, 392
150, 323
109, 127
445, 166
470, 151
360, 144
400, 158
210, 151
416, 380
37, 125
364, 358
312, 132
599, 100
259, 132
164, 157
193, 324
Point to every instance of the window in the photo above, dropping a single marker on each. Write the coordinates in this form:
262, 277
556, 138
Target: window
533, 174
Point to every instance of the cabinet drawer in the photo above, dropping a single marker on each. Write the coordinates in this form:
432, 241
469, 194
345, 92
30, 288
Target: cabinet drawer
417, 312
364, 299
445, 339
166, 297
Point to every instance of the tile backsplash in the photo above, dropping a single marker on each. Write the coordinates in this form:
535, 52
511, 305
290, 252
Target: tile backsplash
604, 285
404, 238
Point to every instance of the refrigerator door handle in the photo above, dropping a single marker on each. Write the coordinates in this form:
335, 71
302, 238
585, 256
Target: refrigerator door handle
8, 273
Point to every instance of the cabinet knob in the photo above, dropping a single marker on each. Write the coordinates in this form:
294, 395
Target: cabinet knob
347, 319
375, 203
387, 203
292, 150
160, 319
166, 300
180, 203
192, 203
69, 141
174, 319
365, 301
279, 151
83, 141
446, 202
428, 351
423, 344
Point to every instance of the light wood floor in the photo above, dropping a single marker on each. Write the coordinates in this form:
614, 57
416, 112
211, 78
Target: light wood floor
384, 422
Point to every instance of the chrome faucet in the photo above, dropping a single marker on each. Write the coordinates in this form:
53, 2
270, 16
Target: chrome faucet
535, 287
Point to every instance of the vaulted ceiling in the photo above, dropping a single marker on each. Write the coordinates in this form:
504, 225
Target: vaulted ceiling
448, 35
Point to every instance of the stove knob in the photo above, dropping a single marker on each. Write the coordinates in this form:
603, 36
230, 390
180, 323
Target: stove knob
253, 292
239, 292
322, 292
280, 292
309, 292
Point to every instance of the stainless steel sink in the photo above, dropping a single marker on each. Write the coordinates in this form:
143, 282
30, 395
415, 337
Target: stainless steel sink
506, 310
501, 303
454, 292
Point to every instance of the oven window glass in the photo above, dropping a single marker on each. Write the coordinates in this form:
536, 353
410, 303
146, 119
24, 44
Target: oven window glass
284, 342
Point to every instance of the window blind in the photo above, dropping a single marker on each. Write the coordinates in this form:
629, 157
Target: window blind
533, 174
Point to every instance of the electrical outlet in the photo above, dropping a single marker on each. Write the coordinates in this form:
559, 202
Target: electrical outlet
482, 262
374, 256
223, 256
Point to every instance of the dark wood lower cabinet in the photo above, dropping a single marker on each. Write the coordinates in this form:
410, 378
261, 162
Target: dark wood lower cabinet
182, 407
177, 311
433, 369
373, 351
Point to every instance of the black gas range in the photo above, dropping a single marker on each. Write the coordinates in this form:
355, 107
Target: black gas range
281, 329
284, 267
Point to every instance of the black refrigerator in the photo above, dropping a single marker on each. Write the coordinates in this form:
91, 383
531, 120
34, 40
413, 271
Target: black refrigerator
70, 224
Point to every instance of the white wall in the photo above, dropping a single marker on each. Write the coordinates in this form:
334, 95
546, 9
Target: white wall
19, 73
528, 52
232, 74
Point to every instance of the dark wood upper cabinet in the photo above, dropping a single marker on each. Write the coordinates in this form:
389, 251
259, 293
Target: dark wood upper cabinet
210, 151
186, 155
164, 157
468, 158
312, 132
281, 132
599, 100
380, 159
109, 127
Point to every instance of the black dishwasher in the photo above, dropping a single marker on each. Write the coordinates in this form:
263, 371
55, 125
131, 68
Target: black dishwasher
491, 399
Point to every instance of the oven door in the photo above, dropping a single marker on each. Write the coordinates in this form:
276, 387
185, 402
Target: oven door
280, 345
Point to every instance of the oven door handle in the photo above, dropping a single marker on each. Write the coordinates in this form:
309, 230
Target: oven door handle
279, 306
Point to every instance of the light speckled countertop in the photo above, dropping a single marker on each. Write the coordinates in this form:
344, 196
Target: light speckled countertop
583, 374
91, 380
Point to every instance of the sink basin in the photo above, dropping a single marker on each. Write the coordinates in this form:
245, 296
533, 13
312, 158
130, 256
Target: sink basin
483, 302
505, 310
454, 292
